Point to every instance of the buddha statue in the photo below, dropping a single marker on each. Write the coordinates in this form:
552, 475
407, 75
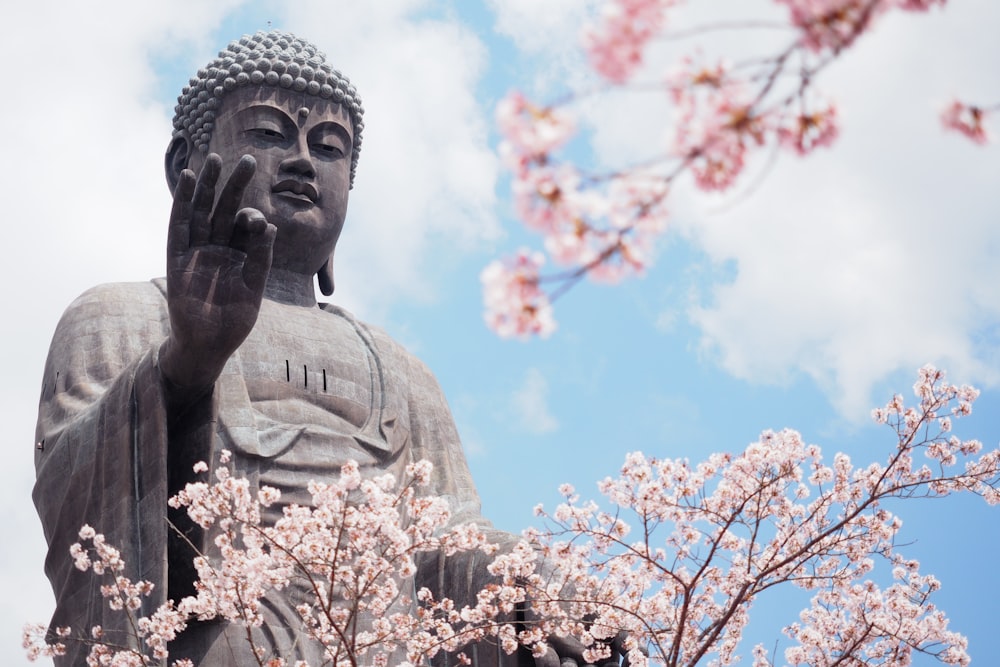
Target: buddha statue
232, 351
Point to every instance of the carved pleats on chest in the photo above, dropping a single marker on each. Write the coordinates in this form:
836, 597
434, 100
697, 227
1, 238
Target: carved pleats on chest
308, 387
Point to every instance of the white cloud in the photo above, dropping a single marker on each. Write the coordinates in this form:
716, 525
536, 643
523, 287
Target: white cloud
529, 402
547, 34
542, 27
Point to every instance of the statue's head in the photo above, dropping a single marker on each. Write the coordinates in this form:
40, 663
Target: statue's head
274, 97
273, 58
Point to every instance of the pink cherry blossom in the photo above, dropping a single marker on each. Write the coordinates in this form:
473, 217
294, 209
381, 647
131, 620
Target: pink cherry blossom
615, 42
515, 305
919, 5
808, 131
637, 215
36, 643
716, 122
548, 198
833, 25
967, 120
530, 132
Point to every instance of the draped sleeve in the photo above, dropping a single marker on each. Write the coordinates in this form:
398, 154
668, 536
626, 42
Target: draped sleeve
100, 453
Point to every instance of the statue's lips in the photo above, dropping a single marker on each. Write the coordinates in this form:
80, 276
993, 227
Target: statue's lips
297, 190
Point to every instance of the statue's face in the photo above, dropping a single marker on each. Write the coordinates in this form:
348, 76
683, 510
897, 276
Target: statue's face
302, 145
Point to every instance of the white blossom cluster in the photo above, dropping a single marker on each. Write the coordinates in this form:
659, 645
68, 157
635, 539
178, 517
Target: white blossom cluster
667, 573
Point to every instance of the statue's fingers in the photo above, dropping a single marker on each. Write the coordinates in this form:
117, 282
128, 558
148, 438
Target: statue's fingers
257, 237
617, 649
248, 223
224, 215
204, 199
621, 645
568, 648
179, 229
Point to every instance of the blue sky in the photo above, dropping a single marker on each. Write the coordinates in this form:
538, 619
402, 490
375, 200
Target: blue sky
803, 299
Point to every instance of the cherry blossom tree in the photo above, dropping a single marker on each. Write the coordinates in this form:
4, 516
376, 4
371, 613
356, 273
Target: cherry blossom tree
678, 553
667, 571
347, 554
603, 224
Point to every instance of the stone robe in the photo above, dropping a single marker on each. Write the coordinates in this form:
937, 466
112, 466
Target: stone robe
305, 392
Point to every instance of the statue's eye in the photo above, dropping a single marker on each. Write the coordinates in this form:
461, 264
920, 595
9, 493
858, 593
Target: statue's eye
329, 150
266, 133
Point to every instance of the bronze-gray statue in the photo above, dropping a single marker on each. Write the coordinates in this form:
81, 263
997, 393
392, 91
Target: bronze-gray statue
231, 351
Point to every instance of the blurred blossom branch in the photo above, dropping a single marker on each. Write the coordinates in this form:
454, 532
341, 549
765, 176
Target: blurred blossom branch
604, 225
969, 120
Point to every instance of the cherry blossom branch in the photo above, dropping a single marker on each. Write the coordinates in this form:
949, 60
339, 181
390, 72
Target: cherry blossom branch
699, 605
604, 225
722, 26
710, 539
349, 554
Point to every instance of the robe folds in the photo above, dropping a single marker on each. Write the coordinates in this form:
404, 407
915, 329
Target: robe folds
107, 445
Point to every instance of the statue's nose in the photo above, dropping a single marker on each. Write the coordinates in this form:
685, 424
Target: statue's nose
299, 161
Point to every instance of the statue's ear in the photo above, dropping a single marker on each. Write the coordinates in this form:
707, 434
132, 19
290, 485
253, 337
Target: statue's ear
176, 160
325, 277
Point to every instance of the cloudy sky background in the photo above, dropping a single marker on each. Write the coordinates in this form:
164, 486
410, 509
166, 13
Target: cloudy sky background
802, 299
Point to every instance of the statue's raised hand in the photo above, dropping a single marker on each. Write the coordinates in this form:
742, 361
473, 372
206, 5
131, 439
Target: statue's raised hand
218, 259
